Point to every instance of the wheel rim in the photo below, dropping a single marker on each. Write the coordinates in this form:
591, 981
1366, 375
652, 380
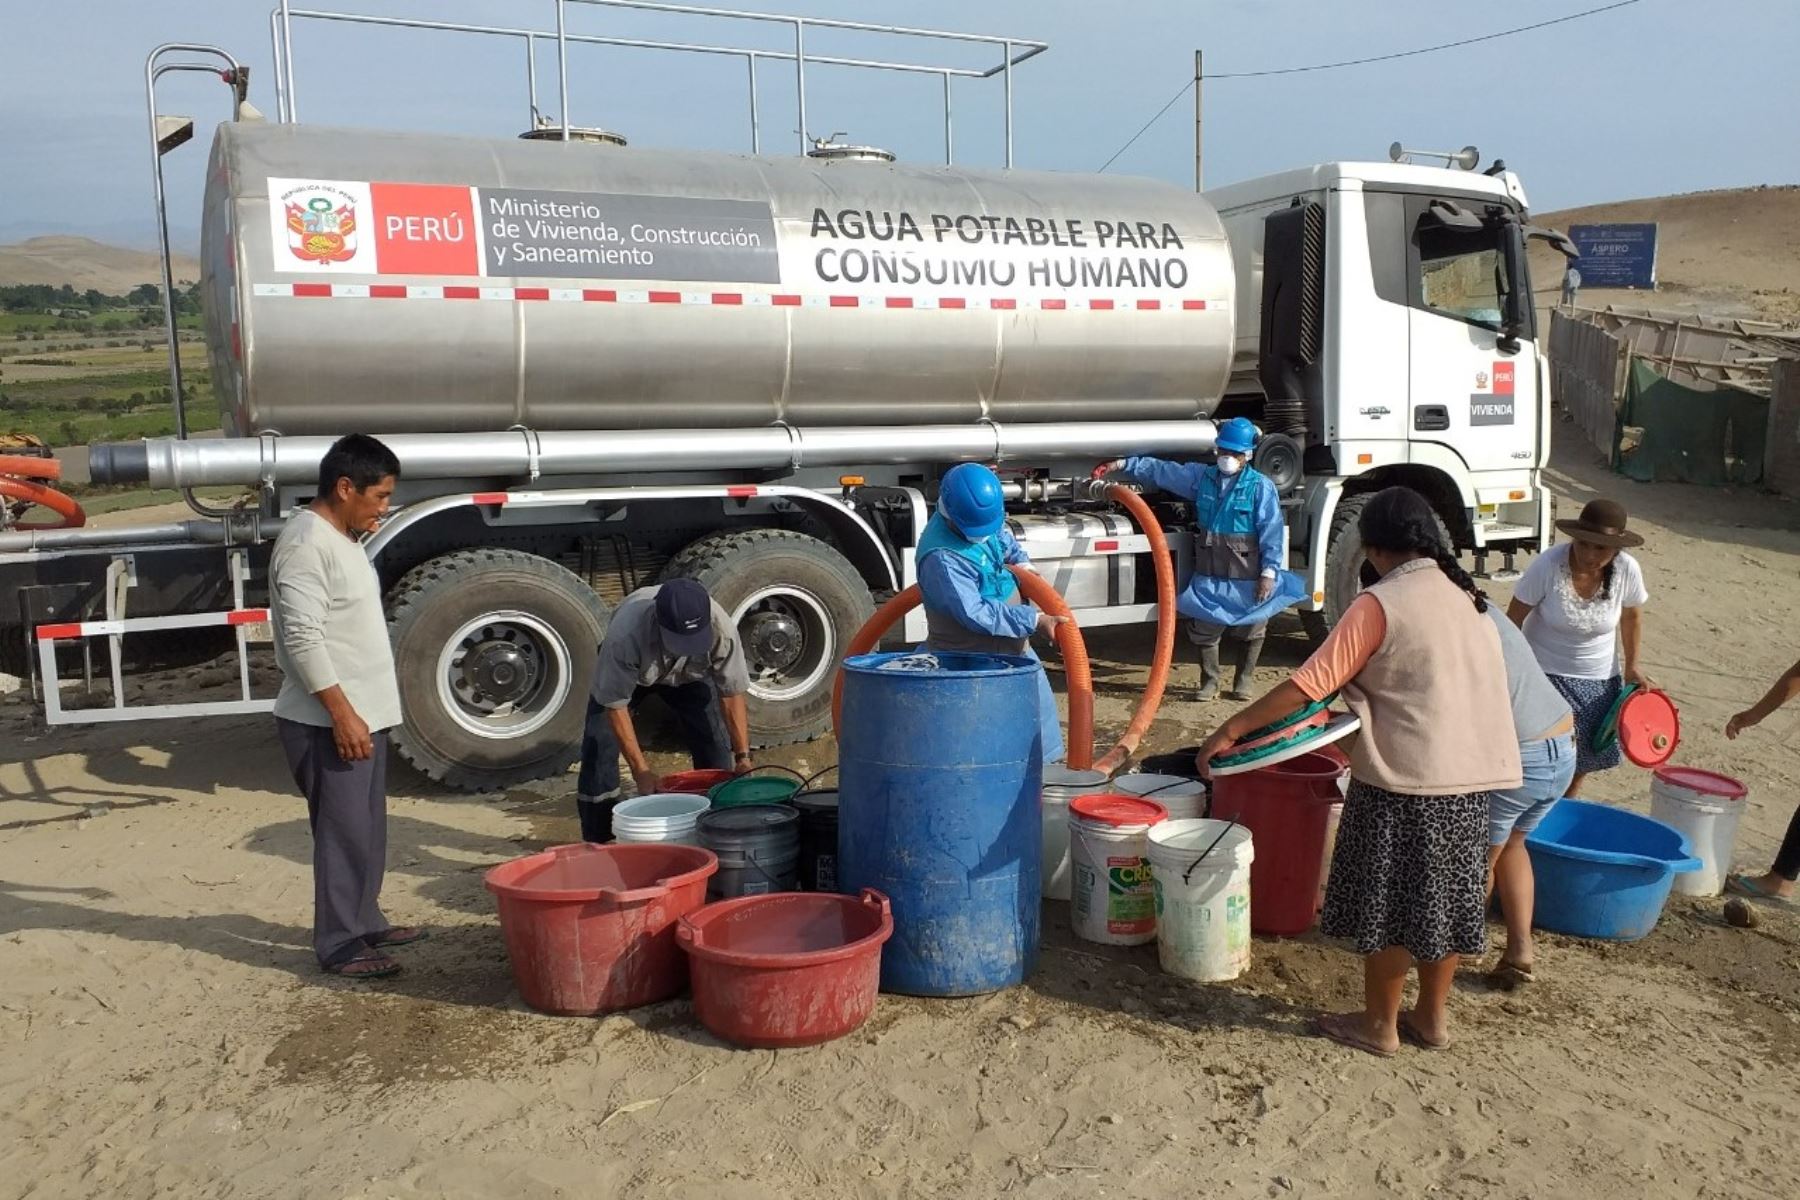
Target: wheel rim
504, 674
789, 641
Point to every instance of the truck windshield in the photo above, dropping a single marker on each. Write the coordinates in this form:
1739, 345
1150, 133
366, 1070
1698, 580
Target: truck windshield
1463, 273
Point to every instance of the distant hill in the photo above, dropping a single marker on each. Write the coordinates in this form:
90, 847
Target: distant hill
1734, 252
83, 263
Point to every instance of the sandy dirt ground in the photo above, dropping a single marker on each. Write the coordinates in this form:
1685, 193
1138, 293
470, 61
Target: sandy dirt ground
164, 1031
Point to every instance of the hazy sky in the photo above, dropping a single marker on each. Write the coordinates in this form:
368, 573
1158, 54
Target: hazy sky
1662, 96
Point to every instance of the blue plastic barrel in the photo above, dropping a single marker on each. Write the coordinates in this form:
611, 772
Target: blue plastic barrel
939, 769
1603, 872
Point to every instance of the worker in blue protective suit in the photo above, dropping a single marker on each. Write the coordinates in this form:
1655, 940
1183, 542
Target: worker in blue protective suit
1238, 581
971, 600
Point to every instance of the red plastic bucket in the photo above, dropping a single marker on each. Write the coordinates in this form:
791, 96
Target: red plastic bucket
788, 969
591, 928
693, 783
1287, 808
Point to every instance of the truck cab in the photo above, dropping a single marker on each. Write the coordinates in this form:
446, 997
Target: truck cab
1386, 336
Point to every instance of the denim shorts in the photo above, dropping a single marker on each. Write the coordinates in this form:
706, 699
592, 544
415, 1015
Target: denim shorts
1549, 769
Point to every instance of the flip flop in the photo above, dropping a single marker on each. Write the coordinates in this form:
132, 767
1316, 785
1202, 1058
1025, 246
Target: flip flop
1746, 885
1335, 1027
399, 935
1509, 975
1409, 1032
368, 965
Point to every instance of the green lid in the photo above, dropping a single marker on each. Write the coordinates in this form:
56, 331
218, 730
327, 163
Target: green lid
752, 789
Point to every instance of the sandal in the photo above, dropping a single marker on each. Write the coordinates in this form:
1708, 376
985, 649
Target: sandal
1340, 1028
367, 965
399, 935
1410, 1032
1746, 885
1507, 975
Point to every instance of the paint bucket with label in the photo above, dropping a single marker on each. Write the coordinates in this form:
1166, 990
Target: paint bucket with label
1114, 903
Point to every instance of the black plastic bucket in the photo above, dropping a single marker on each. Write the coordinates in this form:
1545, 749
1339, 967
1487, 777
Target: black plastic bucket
818, 839
1176, 762
758, 847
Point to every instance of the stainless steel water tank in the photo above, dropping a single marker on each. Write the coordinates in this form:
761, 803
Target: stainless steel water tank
396, 282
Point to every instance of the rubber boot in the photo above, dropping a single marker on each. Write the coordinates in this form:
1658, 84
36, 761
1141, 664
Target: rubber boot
596, 816
1209, 674
1246, 669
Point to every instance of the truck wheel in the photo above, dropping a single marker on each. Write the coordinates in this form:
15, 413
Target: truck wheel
796, 602
1344, 559
495, 649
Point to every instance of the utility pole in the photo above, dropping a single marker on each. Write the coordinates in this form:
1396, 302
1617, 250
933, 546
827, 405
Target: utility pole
1198, 178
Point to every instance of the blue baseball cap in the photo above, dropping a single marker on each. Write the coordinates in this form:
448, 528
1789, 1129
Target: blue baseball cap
684, 618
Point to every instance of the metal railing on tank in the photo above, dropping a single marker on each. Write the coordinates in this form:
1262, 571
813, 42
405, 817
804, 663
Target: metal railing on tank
1012, 52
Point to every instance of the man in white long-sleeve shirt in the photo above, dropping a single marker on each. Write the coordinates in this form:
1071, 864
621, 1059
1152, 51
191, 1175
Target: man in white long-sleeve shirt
338, 699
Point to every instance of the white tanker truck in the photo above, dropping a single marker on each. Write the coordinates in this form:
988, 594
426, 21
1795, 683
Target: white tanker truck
603, 365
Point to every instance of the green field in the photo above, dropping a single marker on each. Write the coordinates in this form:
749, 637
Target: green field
114, 406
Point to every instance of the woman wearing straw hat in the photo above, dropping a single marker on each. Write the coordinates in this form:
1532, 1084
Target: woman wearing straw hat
1577, 605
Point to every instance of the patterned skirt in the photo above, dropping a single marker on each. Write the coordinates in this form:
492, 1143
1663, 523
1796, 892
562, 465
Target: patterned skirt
1409, 871
1591, 699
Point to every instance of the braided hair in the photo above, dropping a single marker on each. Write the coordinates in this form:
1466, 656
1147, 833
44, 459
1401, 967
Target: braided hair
1400, 521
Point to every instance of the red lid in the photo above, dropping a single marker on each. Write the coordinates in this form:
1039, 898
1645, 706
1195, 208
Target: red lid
1115, 808
1707, 783
1649, 728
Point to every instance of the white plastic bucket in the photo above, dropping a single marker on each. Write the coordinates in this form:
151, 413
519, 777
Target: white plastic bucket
1184, 798
659, 817
1113, 901
1706, 807
1202, 903
1061, 785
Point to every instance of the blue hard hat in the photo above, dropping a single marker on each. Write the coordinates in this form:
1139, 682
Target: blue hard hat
970, 497
1237, 436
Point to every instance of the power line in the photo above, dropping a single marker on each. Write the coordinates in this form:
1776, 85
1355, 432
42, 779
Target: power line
1358, 62
1486, 37
1185, 89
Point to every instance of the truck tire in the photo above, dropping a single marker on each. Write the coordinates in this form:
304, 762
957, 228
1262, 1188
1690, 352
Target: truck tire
1344, 559
495, 649
796, 603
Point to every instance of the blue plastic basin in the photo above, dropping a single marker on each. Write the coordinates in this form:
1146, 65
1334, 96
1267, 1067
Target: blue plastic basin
1604, 872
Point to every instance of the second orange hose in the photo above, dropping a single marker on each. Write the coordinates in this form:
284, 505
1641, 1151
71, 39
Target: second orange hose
1161, 661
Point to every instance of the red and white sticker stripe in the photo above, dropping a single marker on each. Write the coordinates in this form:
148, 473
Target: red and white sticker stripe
550, 295
77, 629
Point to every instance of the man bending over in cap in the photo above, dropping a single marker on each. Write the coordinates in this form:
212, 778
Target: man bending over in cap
674, 642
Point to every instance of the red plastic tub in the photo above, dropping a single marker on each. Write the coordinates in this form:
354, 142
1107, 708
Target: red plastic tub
788, 969
694, 783
591, 928
1287, 808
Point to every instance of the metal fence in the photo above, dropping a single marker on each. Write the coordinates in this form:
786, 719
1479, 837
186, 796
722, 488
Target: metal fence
1781, 451
1587, 377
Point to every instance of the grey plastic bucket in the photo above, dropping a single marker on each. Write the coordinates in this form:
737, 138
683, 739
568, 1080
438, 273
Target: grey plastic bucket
758, 847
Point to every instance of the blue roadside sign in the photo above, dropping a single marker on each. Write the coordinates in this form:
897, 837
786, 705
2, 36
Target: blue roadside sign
1616, 256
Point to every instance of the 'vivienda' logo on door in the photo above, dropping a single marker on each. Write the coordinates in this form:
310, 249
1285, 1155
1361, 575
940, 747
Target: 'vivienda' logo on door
1495, 407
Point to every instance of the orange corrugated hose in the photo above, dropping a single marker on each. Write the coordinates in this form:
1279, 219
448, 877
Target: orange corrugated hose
1068, 639
12, 466
1165, 630
1038, 591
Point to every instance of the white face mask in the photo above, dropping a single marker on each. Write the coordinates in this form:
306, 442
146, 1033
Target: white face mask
1229, 465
